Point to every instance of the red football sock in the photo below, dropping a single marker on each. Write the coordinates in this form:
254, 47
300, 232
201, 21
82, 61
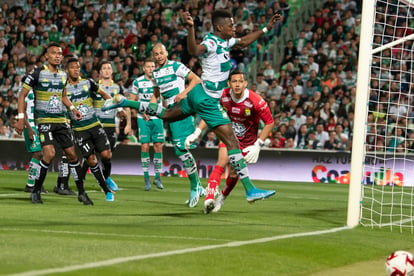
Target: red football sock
214, 181
230, 184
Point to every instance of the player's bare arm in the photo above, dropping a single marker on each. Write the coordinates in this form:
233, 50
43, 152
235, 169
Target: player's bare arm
193, 81
70, 106
248, 39
192, 46
21, 110
156, 95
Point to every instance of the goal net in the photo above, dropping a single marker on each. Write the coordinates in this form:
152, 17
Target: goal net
382, 164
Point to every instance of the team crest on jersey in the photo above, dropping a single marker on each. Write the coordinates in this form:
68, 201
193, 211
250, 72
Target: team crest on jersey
83, 109
239, 129
247, 112
54, 105
85, 88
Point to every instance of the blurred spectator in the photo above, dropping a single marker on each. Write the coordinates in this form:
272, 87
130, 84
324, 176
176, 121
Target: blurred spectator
209, 140
333, 143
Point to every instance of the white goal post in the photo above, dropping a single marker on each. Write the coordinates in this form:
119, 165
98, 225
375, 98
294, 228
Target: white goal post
381, 190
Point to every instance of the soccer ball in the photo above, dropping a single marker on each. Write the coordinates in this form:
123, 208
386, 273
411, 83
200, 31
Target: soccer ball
400, 263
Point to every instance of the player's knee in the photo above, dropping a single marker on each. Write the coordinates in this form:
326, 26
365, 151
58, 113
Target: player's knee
106, 155
92, 160
71, 155
48, 154
145, 147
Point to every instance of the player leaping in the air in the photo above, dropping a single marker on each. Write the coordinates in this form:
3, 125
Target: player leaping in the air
204, 98
245, 109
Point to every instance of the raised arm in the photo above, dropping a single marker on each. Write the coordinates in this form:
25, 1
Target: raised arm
248, 39
192, 46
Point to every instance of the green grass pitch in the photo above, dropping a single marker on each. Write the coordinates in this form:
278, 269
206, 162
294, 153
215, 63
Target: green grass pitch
300, 231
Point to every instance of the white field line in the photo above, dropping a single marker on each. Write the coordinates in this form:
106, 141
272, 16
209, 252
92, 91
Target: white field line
109, 234
116, 261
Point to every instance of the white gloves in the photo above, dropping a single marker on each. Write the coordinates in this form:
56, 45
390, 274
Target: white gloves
192, 138
253, 151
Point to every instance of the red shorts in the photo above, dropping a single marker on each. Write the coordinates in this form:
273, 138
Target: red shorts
222, 145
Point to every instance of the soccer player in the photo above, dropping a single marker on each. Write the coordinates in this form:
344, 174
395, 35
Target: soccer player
245, 108
169, 81
151, 128
48, 84
32, 142
90, 135
107, 118
204, 98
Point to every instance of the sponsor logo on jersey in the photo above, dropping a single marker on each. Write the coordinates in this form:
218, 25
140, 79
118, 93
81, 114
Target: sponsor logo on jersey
235, 110
248, 104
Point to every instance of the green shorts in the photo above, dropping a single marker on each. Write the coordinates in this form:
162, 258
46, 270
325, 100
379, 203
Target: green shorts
209, 108
32, 145
179, 131
151, 131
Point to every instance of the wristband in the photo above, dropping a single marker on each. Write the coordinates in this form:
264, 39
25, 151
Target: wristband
20, 116
197, 132
260, 142
72, 107
265, 30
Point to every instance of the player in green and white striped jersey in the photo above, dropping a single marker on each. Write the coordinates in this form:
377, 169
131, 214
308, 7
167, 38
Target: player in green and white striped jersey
204, 98
151, 128
31, 140
169, 81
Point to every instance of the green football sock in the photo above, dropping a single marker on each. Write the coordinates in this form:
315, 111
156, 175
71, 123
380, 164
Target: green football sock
158, 164
34, 169
191, 169
239, 166
145, 160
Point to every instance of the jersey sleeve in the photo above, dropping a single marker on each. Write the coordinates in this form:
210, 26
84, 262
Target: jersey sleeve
210, 44
232, 42
121, 90
94, 86
261, 108
135, 88
32, 79
182, 71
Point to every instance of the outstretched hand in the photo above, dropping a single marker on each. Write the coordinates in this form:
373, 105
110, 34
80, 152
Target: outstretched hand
275, 18
187, 20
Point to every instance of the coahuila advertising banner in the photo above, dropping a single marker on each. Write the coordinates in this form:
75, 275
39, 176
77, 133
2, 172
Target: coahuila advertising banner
277, 165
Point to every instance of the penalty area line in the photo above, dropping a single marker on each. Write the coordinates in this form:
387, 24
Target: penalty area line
120, 260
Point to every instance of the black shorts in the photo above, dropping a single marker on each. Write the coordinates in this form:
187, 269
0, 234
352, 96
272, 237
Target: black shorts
92, 140
60, 133
111, 134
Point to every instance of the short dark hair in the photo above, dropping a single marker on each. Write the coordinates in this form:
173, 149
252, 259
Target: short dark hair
220, 14
148, 60
52, 44
103, 63
70, 60
237, 72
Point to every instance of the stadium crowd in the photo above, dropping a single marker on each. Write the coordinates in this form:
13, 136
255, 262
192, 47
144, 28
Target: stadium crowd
311, 95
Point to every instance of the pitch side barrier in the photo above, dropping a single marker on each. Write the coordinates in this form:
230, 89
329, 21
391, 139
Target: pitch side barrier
274, 164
